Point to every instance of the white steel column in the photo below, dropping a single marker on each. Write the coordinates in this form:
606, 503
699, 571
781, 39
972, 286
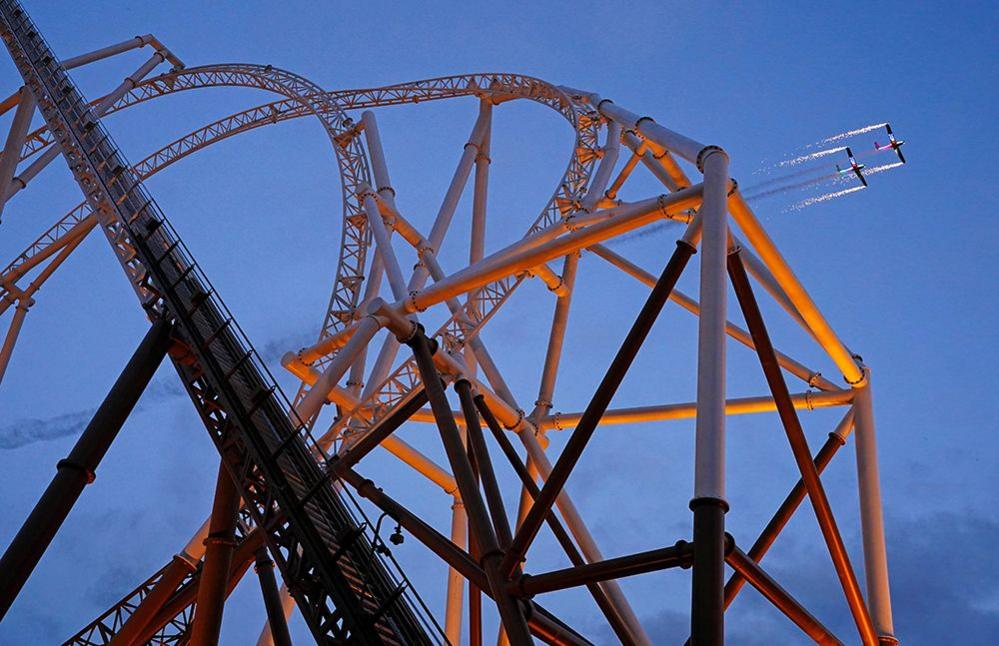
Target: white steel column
709, 461
313, 401
871, 513
53, 151
480, 186
709, 504
15, 140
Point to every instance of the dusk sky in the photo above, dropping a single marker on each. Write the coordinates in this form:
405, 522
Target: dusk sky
905, 271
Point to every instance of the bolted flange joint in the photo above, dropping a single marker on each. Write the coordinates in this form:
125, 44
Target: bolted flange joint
706, 152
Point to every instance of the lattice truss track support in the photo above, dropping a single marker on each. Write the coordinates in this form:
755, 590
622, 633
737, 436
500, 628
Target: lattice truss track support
284, 498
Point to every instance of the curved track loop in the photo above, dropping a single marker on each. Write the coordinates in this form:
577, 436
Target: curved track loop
306, 99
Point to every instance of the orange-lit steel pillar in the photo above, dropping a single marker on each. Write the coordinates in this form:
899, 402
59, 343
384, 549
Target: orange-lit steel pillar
76, 471
218, 557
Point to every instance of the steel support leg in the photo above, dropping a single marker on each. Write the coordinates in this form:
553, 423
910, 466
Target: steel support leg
598, 404
787, 508
477, 447
872, 524
527, 480
455, 581
77, 470
510, 609
543, 624
799, 447
272, 598
241, 560
221, 540
20, 311
707, 617
780, 598
707, 627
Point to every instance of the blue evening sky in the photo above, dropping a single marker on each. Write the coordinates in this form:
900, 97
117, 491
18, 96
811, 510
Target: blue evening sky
905, 272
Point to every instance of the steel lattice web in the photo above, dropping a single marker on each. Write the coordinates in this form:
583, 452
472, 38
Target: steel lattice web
292, 461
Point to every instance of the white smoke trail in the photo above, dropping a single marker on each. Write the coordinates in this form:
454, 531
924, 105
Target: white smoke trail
824, 198
809, 157
881, 169
791, 187
811, 170
852, 133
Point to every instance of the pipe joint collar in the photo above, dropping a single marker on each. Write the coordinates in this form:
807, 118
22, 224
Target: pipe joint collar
66, 463
708, 500
706, 152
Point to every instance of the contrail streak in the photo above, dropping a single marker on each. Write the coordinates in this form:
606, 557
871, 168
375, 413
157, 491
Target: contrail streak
782, 189
881, 169
824, 198
809, 157
853, 133
811, 170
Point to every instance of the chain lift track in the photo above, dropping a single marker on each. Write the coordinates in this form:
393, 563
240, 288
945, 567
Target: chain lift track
293, 487
343, 588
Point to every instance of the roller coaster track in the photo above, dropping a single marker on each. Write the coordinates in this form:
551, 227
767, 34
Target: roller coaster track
400, 386
346, 584
340, 583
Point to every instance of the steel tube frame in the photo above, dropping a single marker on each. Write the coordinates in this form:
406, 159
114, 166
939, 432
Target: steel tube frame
477, 448
802, 455
778, 596
757, 237
523, 255
15, 139
555, 481
806, 374
366, 444
649, 160
76, 471
790, 505
512, 417
808, 400
871, 515
707, 617
276, 621
100, 54
19, 182
480, 194
207, 623
312, 403
390, 346
16, 322
600, 596
150, 606
663, 152
455, 581
241, 559
679, 555
542, 623
510, 611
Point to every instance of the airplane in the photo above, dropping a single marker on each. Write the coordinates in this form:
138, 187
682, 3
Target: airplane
854, 168
893, 144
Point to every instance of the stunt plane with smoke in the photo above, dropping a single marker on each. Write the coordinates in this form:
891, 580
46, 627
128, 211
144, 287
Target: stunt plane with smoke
812, 170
